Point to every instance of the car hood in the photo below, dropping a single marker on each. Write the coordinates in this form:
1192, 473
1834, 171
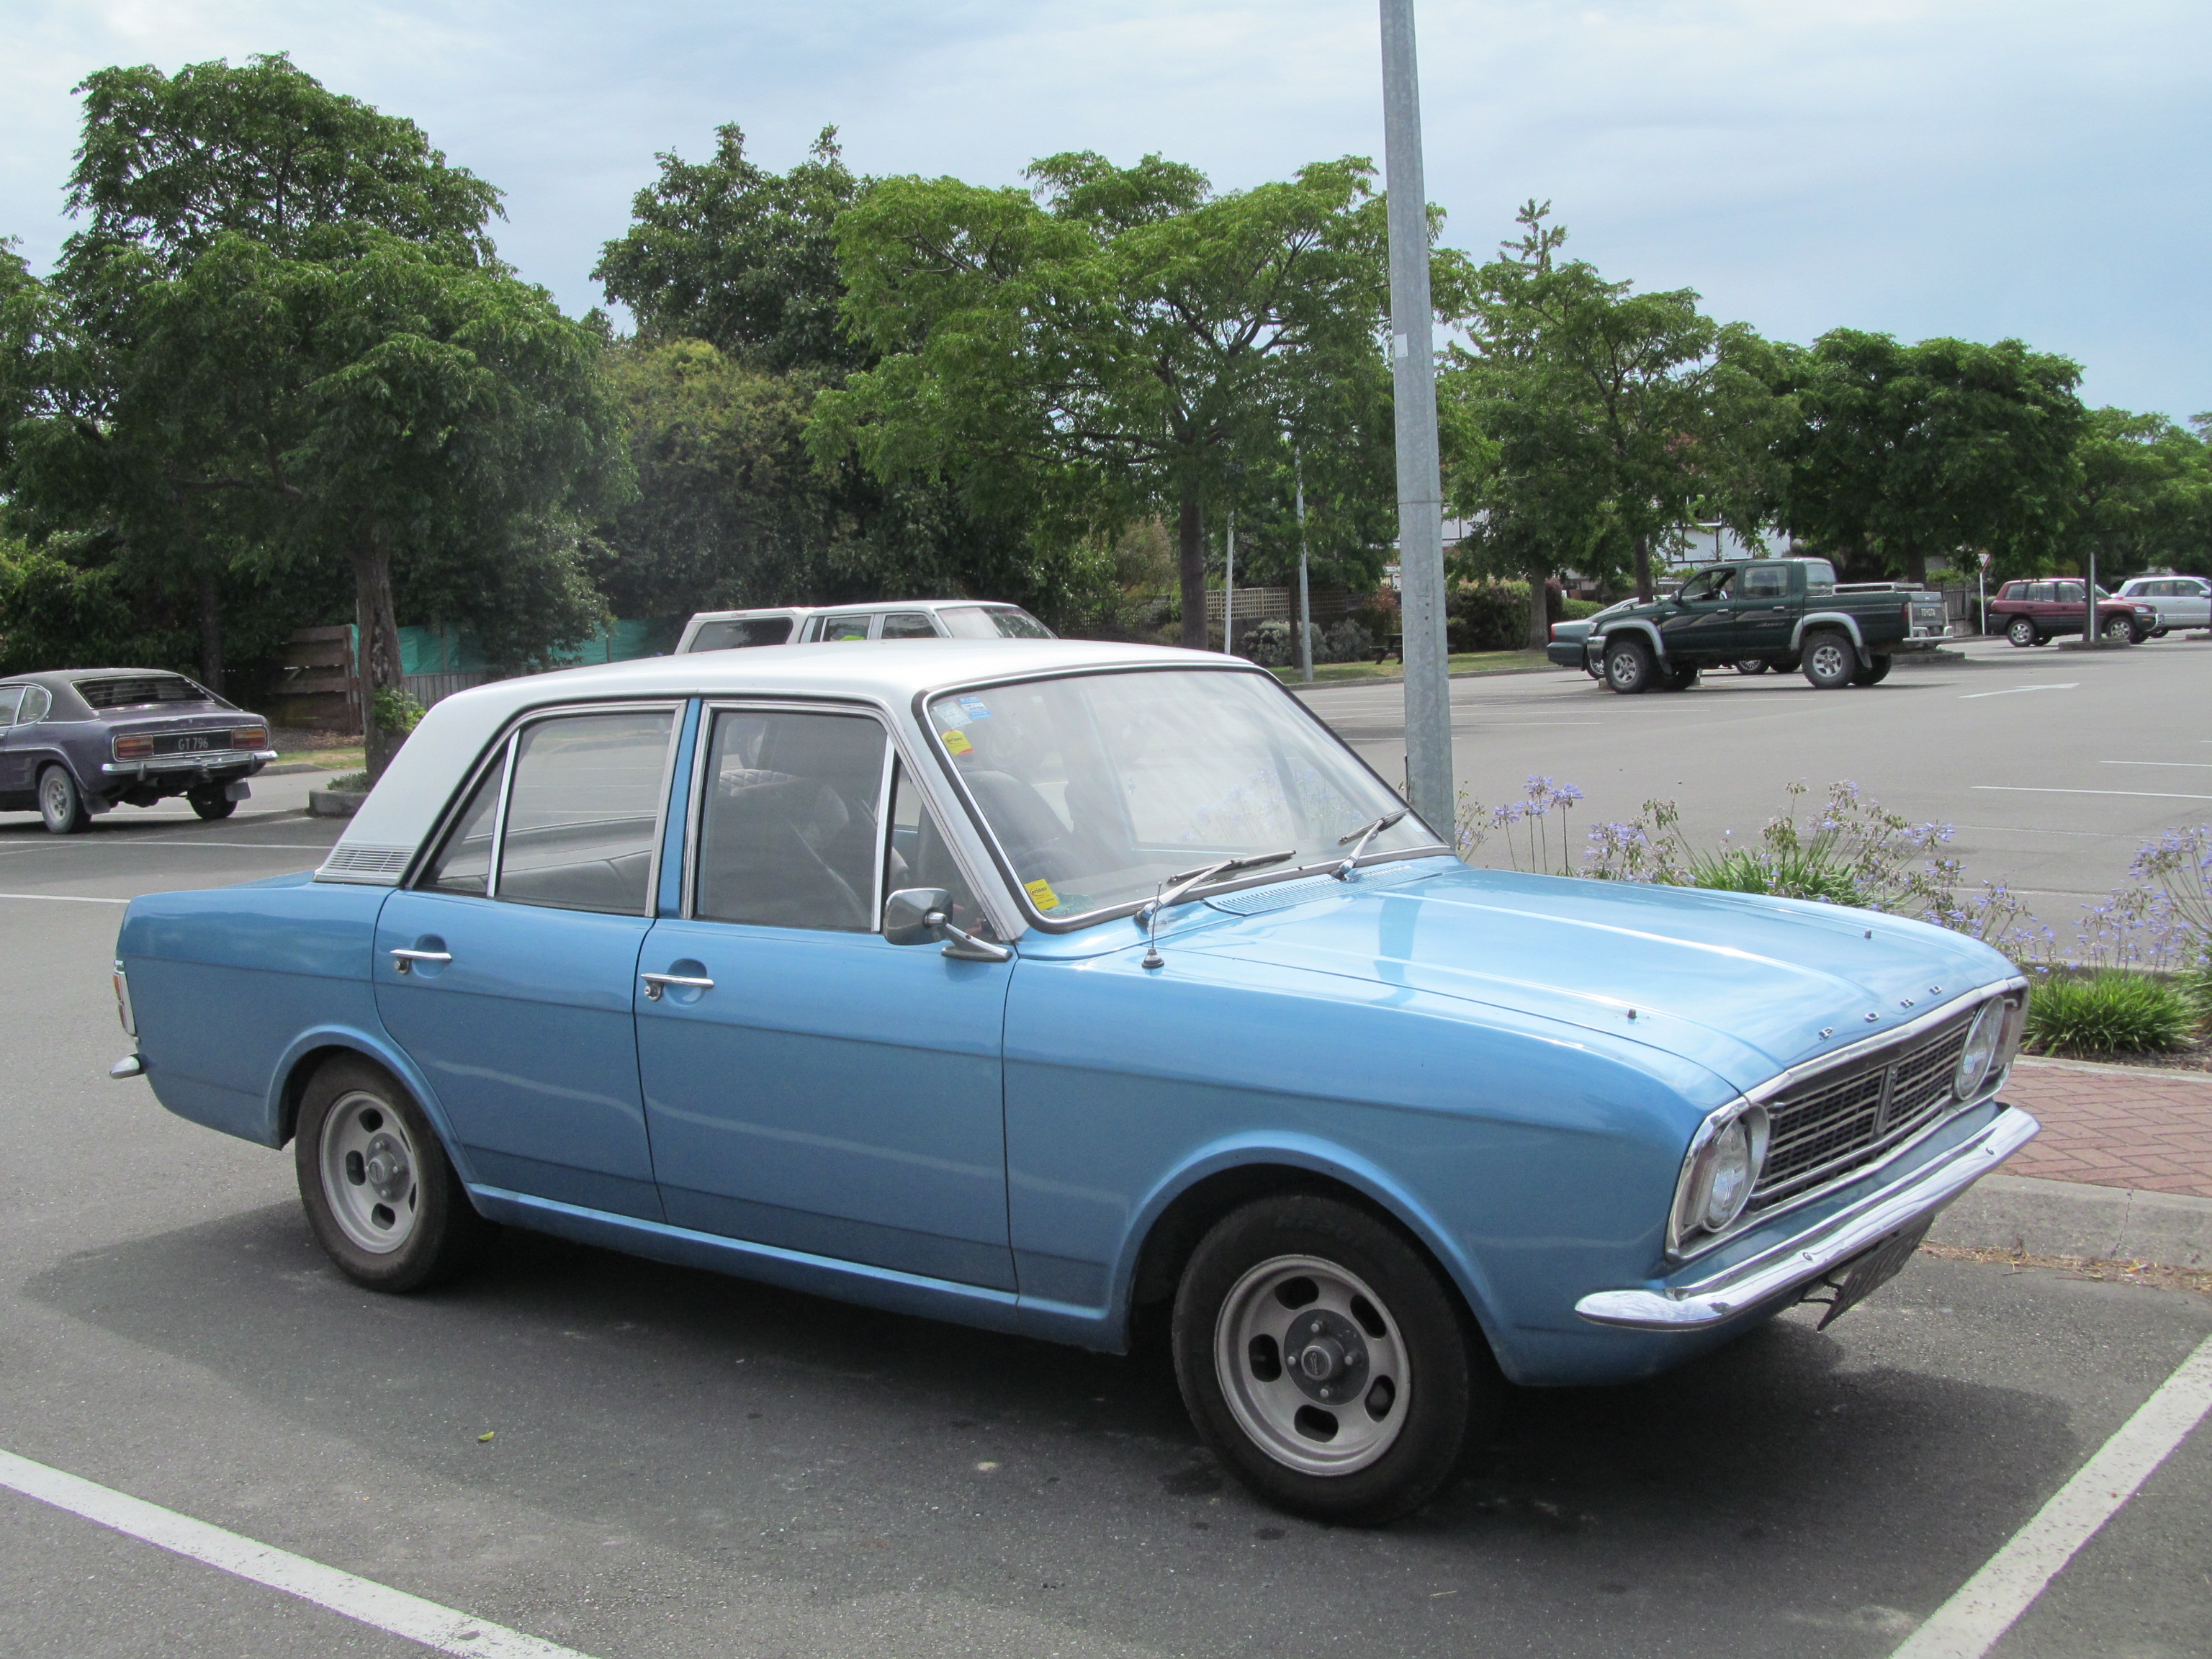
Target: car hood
1743, 985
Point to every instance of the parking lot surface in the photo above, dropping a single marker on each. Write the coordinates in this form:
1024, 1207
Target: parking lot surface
2053, 767
679, 1464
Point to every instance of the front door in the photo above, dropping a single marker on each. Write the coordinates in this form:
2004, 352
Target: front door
1702, 620
506, 973
808, 1085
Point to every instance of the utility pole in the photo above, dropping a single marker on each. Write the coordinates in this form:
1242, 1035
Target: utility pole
1305, 601
1420, 485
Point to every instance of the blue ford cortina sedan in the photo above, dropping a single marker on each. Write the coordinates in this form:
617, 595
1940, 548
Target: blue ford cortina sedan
1043, 985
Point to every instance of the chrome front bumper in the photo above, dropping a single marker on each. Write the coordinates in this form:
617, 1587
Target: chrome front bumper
1798, 1261
207, 760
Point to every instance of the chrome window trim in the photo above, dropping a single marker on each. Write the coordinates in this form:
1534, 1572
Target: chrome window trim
1806, 1071
982, 825
503, 751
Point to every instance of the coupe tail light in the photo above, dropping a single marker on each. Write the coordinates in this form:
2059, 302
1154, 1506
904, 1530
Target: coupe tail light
249, 736
134, 748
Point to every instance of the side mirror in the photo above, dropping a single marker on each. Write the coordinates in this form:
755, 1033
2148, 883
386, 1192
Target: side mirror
915, 916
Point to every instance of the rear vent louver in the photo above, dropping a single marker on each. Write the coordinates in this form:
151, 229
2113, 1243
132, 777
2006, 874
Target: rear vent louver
380, 866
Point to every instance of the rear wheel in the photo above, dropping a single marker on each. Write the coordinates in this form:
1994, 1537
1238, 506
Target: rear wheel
381, 1197
212, 804
2022, 631
1830, 662
1628, 667
61, 804
1752, 665
1874, 676
1326, 1361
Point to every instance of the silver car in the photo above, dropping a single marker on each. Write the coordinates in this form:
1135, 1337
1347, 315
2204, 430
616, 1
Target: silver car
904, 619
2180, 601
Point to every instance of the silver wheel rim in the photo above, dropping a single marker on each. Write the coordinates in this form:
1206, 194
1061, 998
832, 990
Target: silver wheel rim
1340, 1387
371, 1173
1622, 668
2020, 635
54, 798
2118, 629
1828, 661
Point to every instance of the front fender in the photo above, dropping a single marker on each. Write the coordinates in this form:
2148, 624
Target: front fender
1649, 630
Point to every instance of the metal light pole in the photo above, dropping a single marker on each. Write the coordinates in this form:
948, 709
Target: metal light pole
1229, 590
1420, 487
1305, 602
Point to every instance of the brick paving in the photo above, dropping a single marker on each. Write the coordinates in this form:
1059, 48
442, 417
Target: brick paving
2114, 1126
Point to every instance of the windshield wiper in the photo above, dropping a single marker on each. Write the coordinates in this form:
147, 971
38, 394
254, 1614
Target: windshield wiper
1175, 889
1362, 836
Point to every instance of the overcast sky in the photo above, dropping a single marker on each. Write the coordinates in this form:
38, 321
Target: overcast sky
2033, 167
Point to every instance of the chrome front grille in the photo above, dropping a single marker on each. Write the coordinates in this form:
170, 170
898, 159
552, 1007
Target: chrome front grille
1831, 1125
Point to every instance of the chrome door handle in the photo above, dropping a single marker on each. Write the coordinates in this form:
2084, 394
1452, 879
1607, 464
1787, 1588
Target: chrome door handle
656, 983
401, 959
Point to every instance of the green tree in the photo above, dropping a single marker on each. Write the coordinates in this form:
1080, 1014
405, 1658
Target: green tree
1587, 422
1113, 342
291, 346
2143, 493
1904, 453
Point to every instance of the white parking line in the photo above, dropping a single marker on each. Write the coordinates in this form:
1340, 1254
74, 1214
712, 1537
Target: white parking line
62, 898
372, 1603
2138, 795
1969, 1624
2201, 766
2014, 690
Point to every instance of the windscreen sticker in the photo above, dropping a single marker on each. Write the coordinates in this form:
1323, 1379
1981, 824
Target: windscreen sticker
1041, 890
976, 708
956, 743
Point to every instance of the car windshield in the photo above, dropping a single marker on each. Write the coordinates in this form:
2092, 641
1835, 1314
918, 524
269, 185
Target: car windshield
142, 691
1099, 787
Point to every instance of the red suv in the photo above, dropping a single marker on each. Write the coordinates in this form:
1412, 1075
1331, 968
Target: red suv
2029, 613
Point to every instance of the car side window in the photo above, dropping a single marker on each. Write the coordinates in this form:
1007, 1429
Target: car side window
917, 855
1764, 582
464, 863
741, 632
788, 817
583, 811
907, 625
845, 627
10, 698
36, 701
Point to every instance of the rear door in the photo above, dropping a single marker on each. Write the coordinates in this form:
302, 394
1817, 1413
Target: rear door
506, 972
1764, 613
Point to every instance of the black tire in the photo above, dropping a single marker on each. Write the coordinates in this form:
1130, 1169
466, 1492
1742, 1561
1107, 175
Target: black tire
1681, 676
1875, 675
1752, 665
1446, 1394
430, 1231
1829, 661
2158, 633
212, 804
2022, 631
1629, 668
2119, 631
2137, 634
61, 802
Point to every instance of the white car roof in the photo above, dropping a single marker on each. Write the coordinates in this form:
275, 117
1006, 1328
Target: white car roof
381, 838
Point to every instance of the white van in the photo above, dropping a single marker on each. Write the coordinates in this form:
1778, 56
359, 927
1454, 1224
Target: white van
906, 619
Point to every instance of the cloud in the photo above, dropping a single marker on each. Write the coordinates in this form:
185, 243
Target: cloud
2027, 168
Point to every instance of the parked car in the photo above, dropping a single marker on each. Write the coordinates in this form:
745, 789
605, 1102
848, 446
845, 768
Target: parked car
2035, 613
1786, 613
1566, 646
81, 741
908, 619
2175, 601
1045, 991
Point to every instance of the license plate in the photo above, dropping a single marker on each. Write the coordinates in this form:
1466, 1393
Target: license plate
1867, 1273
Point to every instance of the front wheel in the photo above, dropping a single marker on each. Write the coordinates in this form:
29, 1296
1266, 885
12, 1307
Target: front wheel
1628, 667
61, 802
381, 1198
213, 803
1327, 1362
1830, 662
2020, 631
1681, 676
2120, 631
1874, 675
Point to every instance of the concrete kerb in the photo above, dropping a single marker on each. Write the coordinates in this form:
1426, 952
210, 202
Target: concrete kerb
2071, 1218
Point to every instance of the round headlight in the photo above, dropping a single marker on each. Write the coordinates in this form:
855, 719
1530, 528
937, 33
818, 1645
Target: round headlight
1722, 1173
1981, 1048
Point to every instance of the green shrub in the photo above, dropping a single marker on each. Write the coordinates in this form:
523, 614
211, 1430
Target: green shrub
1579, 609
1487, 615
1791, 873
349, 783
2109, 1012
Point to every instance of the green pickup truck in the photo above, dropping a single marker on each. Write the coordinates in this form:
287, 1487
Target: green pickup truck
1773, 613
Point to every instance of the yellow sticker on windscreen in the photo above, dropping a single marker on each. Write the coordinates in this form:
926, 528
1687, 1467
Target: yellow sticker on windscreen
1041, 890
956, 743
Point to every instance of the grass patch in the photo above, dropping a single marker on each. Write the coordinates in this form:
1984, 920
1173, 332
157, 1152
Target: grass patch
2109, 1013
1466, 662
348, 783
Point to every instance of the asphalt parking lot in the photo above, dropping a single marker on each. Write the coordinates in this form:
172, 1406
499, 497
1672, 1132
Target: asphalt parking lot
2052, 766
683, 1465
